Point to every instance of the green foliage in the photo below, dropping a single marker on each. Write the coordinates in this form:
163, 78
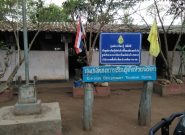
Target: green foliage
95, 10
92, 10
127, 19
7, 8
71, 8
32, 9
11, 10
52, 13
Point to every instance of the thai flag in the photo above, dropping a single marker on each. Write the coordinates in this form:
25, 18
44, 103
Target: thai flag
80, 35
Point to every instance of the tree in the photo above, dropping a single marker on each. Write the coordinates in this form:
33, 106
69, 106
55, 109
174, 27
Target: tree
177, 8
176, 11
127, 19
179, 13
52, 13
156, 11
11, 14
101, 12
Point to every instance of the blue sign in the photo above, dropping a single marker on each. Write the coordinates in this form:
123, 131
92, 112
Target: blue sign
118, 73
120, 48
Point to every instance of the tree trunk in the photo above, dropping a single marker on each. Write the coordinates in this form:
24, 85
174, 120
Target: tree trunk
88, 106
6, 84
14, 72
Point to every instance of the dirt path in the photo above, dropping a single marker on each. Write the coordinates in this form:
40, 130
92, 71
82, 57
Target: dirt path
114, 115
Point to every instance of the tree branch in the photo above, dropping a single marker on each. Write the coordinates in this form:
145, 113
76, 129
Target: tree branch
177, 43
165, 35
102, 23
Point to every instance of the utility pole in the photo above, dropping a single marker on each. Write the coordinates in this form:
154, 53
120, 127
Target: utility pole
27, 100
25, 36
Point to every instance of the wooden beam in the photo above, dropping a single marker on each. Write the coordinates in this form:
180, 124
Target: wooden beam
66, 53
144, 113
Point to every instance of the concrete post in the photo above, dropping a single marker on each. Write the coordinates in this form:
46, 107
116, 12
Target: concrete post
88, 106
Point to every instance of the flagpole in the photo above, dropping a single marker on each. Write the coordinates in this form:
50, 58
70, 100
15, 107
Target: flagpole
85, 46
88, 98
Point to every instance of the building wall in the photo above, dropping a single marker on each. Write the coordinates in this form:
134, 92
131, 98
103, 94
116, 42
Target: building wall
46, 65
50, 65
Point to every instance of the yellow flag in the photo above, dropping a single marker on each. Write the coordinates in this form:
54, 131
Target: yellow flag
153, 39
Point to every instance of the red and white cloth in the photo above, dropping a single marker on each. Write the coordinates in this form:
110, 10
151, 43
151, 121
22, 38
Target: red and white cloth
80, 35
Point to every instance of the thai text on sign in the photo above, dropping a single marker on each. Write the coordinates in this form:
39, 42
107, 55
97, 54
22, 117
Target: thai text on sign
118, 73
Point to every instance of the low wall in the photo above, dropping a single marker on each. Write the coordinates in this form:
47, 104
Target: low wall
46, 65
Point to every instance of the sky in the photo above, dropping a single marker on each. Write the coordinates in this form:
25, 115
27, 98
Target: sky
136, 16
144, 12
57, 2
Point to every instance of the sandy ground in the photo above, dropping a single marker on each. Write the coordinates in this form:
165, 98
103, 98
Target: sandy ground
113, 115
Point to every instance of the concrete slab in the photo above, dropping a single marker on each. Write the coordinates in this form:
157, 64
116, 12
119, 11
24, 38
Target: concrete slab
46, 123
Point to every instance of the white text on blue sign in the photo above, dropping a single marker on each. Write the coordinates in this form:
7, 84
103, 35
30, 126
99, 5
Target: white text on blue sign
119, 73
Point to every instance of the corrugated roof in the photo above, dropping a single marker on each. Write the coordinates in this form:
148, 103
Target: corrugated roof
94, 27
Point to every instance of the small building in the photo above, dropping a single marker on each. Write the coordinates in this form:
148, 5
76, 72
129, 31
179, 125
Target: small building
52, 56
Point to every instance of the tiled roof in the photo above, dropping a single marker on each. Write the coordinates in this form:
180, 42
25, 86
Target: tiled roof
71, 27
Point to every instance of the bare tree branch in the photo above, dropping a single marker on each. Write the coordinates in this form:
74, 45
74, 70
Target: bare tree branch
177, 42
102, 23
165, 35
